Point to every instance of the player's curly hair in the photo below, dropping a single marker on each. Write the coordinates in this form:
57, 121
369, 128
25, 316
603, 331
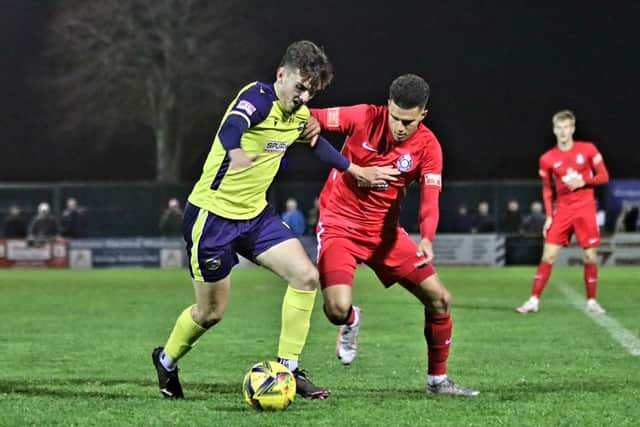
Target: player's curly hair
312, 62
409, 91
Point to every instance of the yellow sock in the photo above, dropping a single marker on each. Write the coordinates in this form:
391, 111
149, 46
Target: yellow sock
184, 336
296, 321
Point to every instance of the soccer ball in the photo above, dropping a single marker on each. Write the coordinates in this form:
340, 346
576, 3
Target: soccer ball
269, 386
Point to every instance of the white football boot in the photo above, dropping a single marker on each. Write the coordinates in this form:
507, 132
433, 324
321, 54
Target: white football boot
530, 306
594, 307
347, 344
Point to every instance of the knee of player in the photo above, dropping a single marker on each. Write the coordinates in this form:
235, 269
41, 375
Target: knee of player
442, 303
207, 318
336, 312
589, 258
550, 258
308, 279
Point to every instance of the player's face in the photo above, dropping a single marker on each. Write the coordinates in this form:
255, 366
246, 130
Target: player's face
563, 130
292, 90
402, 122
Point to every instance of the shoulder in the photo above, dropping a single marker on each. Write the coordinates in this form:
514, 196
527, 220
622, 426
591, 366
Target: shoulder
255, 97
547, 156
587, 146
428, 138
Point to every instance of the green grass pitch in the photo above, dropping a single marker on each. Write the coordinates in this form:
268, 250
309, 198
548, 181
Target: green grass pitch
75, 351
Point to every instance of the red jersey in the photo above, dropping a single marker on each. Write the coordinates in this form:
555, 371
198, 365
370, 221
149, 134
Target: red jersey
582, 160
370, 143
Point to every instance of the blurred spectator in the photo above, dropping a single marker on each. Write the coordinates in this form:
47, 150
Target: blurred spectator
43, 226
533, 223
512, 219
15, 226
73, 222
312, 217
171, 219
463, 220
294, 218
482, 221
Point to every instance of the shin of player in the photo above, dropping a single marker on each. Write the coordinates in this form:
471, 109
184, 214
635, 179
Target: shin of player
573, 169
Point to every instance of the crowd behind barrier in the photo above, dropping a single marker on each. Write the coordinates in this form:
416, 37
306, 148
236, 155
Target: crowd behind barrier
149, 209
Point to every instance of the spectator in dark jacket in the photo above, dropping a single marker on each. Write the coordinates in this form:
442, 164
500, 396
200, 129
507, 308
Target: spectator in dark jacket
15, 226
73, 221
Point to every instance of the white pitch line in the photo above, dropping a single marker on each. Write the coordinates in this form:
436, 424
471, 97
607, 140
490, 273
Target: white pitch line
630, 342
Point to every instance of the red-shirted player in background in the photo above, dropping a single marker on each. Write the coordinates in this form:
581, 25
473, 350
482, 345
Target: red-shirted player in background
575, 167
359, 224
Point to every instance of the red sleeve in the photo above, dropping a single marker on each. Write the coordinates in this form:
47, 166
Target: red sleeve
597, 164
340, 119
431, 181
547, 192
429, 212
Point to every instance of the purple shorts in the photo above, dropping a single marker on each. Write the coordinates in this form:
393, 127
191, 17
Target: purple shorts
213, 242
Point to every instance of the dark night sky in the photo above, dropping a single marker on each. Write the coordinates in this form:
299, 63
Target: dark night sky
498, 70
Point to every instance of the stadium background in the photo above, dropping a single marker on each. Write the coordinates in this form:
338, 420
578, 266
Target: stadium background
498, 70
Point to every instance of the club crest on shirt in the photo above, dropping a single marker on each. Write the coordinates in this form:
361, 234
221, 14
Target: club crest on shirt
405, 163
301, 125
580, 159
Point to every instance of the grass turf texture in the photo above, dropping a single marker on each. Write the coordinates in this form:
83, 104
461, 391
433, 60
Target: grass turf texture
75, 350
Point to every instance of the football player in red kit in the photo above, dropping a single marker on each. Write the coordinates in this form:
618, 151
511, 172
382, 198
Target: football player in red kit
573, 168
359, 223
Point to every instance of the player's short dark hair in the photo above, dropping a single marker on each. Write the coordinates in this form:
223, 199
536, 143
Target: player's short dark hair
409, 91
312, 62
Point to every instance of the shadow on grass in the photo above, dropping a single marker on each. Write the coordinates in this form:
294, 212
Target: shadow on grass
104, 389
524, 390
484, 307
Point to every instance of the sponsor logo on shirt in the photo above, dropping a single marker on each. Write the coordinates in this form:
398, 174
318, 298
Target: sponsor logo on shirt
434, 179
405, 163
333, 117
246, 106
275, 147
580, 159
368, 147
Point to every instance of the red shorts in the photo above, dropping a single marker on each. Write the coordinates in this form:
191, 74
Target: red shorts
581, 221
392, 256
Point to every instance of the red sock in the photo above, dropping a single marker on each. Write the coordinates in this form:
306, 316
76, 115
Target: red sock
541, 278
591, 280
437, 332
352, 317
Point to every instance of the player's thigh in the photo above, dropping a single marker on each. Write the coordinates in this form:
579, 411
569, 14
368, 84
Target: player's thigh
395, 260
431, 292
338, 258
210, 244
585, 224
561, 228
289, 260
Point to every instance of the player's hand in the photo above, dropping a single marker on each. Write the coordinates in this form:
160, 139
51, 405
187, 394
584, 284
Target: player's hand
239, 159
547, 225
374, 176
311, 131
575, 183
425, 247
